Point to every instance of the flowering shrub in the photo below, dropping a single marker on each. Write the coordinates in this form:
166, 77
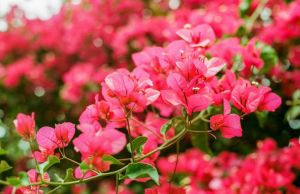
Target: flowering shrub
113, 86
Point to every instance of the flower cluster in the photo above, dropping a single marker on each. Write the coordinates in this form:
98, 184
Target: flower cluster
186, 79
268, 170
144, 76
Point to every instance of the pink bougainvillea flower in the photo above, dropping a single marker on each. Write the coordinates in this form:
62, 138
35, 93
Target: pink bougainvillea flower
15, 71
64, 132
165, 188
226, 49
93, 145
212, 66
229, 124
42, 155
199, 36
46, 139
294, 56
108, 141
181, 95
34, 177
270, 101
100, 114
191, 66
129, 90
248, 98
245, 96
25, 126
251, 57
49, 138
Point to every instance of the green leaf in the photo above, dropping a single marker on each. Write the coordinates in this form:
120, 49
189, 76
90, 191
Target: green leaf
137, 144
111, 159
23, 178
14, 181
178, 124
142, 170
262, 118
241, 32
69, 175
49, 163
269, 56
294, 124
293, 113
166, 127
84, 166
201, 140
244, 7
4, 166
238, 64
296, 95
2, 152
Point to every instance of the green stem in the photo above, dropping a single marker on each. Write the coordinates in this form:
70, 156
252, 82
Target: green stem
200, 116
55, 189
80, 181
129, 137
163, 146
77, 163
255, 15
193, 131
117, 183
147, 128
167, 144
71, 160
176, 164
36, 162
3, 182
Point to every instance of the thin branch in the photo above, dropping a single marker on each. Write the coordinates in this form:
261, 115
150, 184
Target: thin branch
194, 131
4, 182
75, 162
200, 116
175, 167
256, 14
117, 183
36, 162
146, 127
129, 137
80, 181
167, 144
55, 189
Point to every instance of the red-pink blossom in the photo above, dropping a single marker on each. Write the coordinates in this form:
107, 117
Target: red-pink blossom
249, 98
199, 36
229, 124
181, 94
25, 126
129, 90
49, 138
93, 145
35, 177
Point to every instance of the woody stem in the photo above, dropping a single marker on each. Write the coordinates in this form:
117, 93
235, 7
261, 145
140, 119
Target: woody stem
36, 162
129, 137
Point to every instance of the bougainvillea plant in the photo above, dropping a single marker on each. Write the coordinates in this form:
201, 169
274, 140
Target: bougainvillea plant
149, 97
